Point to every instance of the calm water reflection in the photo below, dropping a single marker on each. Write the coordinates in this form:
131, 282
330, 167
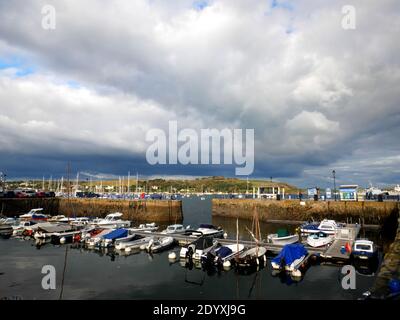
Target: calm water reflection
94, 274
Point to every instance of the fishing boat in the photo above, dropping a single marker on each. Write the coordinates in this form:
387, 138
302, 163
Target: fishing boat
35, 215
364, 249
160, 244
136, 243
198, 247
290, 258
282, 237
319, 239
112, 220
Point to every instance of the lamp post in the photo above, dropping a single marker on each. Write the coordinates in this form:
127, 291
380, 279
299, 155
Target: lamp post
334, 183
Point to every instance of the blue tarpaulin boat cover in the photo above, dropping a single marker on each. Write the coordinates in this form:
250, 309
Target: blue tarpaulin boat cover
310, 226
290, 253
224, 252
119, 233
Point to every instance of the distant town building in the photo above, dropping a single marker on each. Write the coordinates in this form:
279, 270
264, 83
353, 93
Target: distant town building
273, 192
348, 192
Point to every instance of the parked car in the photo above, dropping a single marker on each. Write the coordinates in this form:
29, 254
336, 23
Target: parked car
30, 193
20, 194
41, 194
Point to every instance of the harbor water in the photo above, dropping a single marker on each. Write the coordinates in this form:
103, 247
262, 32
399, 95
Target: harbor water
103, 274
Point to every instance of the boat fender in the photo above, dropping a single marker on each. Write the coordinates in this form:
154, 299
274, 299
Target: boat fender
225, 235
258, 261
296, 273
226, 264
143, 247
63, 240
128, 249
172, 255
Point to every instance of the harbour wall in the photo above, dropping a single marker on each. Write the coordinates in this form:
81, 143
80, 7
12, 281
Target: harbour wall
135, 210
377, 213
389, 270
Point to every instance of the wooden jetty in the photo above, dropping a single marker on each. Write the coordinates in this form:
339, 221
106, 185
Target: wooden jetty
274, 248
343, 236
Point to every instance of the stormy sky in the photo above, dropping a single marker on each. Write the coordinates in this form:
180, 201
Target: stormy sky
318, 96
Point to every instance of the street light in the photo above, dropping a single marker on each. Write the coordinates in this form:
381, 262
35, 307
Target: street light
334, 183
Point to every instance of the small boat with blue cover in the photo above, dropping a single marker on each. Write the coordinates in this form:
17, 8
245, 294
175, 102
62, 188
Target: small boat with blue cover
290, 258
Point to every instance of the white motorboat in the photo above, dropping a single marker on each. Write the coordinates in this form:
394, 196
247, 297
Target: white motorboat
160, 244
175, 229
251, 257
34, 214
319, 239
7, 221
208, 230
19, 228
364, 249
282, 237
112, 220
198, 247
326, 225
146, 227
80, 221
136, 243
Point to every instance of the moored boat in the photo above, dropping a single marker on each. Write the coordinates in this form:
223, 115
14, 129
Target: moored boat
282, 237
222, 254
136, 243
198, 247
290, 257
109, 239
146, 227
175, 229
112, 220
34, 215
364, 249
319, 239
160, 244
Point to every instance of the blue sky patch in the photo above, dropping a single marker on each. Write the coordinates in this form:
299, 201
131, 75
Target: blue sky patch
16, 63
200, 5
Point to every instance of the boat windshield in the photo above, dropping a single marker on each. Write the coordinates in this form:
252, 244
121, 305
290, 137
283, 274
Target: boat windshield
363, 247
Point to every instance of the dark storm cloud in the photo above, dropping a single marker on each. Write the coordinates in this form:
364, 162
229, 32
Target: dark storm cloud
317, 95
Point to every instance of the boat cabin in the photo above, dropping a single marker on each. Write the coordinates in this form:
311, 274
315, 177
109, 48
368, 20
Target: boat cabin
364, 245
